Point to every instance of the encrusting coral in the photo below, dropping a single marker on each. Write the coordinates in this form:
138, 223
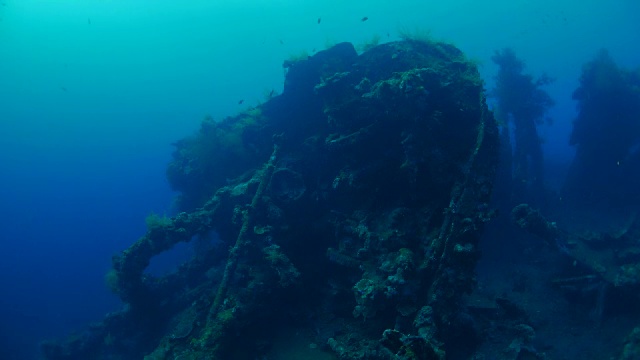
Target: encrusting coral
371, 204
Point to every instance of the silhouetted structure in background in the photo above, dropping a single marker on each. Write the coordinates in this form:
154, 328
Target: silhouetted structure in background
606, 133
522, 102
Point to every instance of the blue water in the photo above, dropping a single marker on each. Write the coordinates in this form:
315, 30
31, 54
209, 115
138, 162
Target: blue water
93, 93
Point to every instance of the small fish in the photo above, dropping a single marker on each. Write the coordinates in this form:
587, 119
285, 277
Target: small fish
271, 93
63, 88
89, 21
281, 42
364, 19
240, 102
319, 20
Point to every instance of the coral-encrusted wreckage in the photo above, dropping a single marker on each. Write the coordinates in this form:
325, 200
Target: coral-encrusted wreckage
347, 209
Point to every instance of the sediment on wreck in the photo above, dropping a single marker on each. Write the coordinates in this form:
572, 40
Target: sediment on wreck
360, 232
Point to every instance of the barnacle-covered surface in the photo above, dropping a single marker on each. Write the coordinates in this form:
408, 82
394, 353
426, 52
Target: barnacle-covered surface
351, 206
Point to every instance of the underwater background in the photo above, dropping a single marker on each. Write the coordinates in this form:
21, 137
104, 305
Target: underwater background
94, 93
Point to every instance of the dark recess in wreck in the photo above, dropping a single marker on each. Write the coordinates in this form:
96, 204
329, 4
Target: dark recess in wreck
351, 204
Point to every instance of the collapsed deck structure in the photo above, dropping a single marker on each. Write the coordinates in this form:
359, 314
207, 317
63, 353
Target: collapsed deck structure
348, 208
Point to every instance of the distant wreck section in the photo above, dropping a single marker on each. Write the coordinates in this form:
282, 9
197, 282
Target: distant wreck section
348, 211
